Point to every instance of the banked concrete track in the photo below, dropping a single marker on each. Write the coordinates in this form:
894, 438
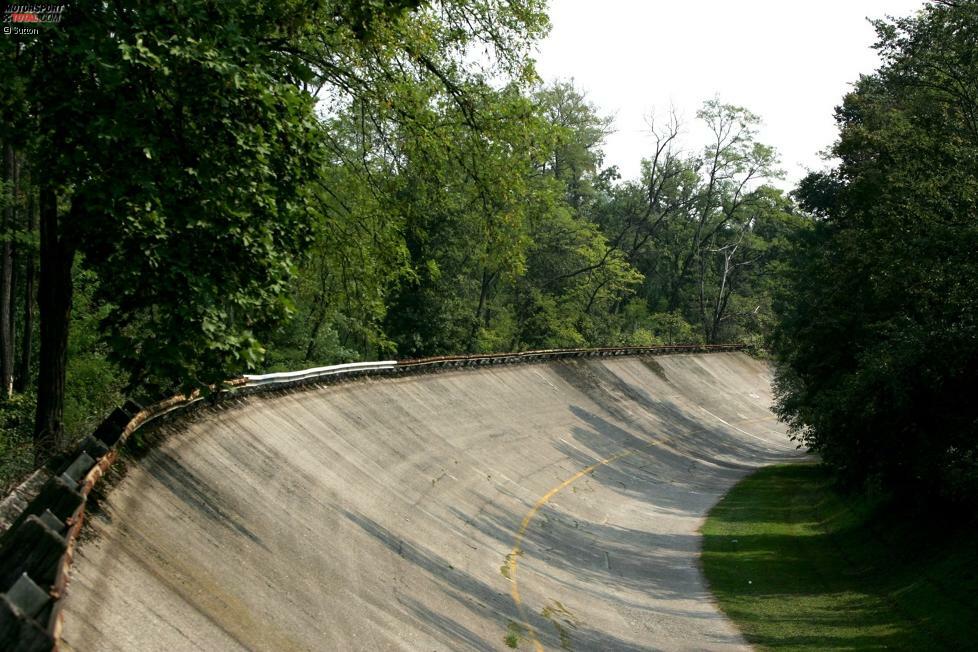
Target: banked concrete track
556, 503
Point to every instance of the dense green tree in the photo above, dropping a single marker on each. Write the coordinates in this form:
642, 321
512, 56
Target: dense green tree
574, 276
469, 190
178, 151
703, 229
878, 344
578, 131
171, 151
464, 205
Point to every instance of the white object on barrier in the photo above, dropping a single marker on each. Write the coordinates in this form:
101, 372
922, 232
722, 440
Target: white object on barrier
317, 372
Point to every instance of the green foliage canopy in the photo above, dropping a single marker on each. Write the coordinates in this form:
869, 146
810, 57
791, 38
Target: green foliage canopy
878, 344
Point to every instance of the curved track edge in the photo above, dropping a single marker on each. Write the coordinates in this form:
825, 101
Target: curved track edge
37, 550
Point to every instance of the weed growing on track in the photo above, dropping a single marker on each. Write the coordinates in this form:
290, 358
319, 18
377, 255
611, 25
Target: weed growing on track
513, 633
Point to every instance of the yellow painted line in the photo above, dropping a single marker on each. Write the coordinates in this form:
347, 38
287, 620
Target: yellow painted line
512, 558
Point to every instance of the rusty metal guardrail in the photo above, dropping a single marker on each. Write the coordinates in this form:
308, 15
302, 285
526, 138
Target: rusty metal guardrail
37, 551
554, 354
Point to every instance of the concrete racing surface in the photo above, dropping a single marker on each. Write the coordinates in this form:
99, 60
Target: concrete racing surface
547, 506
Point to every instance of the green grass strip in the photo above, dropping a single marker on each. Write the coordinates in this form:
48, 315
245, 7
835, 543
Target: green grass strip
797, 565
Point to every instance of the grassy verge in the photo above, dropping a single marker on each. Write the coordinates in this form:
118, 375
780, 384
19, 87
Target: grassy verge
799, 566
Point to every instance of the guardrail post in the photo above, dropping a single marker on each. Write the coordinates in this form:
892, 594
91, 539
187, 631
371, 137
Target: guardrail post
58, 496
27, 596
111, 429
78, 468
19, 632
35, 549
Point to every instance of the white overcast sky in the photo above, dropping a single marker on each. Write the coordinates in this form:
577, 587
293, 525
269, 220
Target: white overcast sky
788, 61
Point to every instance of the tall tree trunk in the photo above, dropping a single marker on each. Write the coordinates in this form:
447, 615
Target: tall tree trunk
12, 322
15, 271
320, 316
487, 280
6, 279
702, 300
54, 301
23, 375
